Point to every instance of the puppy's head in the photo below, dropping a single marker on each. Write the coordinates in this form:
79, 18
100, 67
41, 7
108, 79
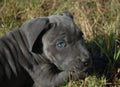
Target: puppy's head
59, 39
63, 44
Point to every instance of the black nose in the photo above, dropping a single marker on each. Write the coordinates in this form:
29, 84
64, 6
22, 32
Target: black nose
86, 61
67, 14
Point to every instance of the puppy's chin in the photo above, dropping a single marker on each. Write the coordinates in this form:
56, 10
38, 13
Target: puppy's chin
78, 75
83, 75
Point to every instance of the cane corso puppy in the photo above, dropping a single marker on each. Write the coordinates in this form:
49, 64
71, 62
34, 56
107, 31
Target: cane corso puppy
43, 52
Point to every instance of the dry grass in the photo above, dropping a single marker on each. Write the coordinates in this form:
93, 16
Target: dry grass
98, 19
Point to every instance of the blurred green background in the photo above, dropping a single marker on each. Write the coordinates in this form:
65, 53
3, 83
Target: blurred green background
98, 19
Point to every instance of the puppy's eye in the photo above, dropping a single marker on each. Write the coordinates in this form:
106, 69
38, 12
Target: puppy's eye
61, 44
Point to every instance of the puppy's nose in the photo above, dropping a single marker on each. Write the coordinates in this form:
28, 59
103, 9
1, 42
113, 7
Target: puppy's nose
85, 58
86, 61
67, 14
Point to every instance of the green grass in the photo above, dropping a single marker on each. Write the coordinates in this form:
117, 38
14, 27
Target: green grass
98, 19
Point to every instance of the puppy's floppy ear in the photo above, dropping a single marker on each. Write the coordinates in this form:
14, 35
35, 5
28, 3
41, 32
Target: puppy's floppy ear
38, 45
66, 13
33, 31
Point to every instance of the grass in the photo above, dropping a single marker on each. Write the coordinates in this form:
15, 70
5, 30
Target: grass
98, 19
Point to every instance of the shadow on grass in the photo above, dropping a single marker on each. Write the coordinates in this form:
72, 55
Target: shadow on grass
105, 56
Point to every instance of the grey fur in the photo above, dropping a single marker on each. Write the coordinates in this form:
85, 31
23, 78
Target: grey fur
29, 56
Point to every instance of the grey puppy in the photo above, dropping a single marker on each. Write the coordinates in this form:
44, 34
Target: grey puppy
43, 52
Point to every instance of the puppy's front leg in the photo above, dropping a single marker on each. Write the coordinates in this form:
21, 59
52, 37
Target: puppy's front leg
50, 76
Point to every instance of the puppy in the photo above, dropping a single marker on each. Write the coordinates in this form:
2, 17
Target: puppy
43, 52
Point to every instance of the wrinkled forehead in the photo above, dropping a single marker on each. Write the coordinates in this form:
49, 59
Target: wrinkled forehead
65, 28
61, 20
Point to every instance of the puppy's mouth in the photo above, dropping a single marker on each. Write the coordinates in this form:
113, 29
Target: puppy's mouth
83, 73
79, 74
